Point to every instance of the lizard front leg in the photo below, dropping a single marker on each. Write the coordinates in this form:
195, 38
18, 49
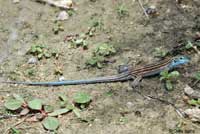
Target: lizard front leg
136, 82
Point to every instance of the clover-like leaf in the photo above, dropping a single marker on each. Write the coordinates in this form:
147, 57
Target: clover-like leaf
81, 97
50, 123
35, 104
59, 112
13, 104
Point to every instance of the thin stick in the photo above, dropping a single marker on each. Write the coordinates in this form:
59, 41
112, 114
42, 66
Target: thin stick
14, 125
179, 112
141, 5
6, 116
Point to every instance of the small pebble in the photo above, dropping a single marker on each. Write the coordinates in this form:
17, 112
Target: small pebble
32, 60
16, 1
129, 104
63, 15
62, 78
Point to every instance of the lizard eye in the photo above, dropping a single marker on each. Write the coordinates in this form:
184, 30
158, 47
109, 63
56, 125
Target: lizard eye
181, 58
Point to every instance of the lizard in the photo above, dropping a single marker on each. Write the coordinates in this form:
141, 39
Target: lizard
125, 73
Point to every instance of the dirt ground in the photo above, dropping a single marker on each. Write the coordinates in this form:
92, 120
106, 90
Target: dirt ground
115, 107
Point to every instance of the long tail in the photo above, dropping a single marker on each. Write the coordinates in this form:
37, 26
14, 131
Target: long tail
114, 78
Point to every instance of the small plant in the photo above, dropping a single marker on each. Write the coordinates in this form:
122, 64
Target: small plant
168, 78
82, 99
15, 131
122, 11
77, 42
99, 55
70, 12
197, 76
189, 45
97, 23
105, 50
194, 102
123, 120
46, 113
18, 104
42, 51
158, 52
95, 61
58, 27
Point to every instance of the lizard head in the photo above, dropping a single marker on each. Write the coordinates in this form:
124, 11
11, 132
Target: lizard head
179, 60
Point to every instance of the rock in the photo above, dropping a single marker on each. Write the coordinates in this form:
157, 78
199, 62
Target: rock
191, 92
63, 15
32, 60
129, 104
193, 114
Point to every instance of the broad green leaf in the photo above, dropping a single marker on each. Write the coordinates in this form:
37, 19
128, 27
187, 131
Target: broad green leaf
197, 75
13, 104
59, 112
51, 123
82, 97
77, 112
169, 85
19, 98
48, 108
35, 104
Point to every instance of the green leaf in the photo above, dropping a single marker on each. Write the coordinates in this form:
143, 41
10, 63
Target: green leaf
169, 85
19, 98
15, 131
77, 112
40, 56
79, 42
197, 75
13, 104
82, 97
50, 123
173, 74
164, 74
59, 112
35, 104
105, 50
48, 108
193, 102
47, 55
70, 106
189, 45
